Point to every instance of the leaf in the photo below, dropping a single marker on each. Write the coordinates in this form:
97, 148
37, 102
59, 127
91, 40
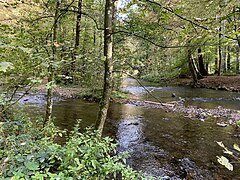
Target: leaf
29, 157
94, 163
236, 147
4, 66
32, 166
225, 162
26, 50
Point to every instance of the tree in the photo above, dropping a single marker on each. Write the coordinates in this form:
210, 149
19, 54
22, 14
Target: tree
51, 72
202, 68
108, 64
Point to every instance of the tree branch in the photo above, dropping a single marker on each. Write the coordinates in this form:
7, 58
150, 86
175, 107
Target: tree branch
184, 18
163, 46
171, 11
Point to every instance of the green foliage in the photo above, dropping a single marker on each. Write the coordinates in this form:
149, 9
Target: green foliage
30, 152
223, 160
91, 94
120, 94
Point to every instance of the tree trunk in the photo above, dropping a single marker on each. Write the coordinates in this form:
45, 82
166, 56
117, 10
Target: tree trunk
216, 63
108, 76
224, 59
77, 40
237, 60
228, 58
78, 25
49, 105
202, 69
219, 53
199, 76
191, 67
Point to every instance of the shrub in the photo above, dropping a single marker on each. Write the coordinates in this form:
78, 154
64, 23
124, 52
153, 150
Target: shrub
30, 152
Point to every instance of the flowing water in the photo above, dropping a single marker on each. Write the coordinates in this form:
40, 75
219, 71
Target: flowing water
162, 143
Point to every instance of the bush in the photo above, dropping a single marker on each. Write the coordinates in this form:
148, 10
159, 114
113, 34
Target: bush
30, 152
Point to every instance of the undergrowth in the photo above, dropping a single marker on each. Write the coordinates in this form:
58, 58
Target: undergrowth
29, 152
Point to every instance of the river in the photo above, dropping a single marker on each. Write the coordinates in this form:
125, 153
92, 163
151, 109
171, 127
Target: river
166, 144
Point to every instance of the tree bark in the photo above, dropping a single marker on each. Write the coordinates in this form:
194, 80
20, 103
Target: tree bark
202, 68
49, 105
237, 60
191, 67
219, 53
108, 63
224, 59
216, 63
228, 58
77, 40
78, 25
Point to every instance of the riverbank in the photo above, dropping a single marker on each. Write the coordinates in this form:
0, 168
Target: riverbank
224, 116
228, 83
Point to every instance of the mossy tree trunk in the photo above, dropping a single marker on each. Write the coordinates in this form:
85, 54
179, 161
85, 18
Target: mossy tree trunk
237, 60
108, 63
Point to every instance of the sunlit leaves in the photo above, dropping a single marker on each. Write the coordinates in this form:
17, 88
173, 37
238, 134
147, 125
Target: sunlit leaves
4, 66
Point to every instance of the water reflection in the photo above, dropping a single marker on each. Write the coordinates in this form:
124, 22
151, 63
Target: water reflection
130, 127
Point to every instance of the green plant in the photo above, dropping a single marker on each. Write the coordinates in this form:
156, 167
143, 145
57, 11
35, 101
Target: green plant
91, 94
29, 152
120, 94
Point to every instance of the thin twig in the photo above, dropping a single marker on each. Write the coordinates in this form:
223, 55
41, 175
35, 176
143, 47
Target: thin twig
17, 100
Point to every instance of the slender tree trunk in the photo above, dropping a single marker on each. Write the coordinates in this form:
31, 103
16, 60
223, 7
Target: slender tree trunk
78, 25
228, 58
77, 40
84, 50
216, 63
191, 67
224, 59
236, 17
202, 69
219, 53
237, 60
49, 105
108, 63
199, 75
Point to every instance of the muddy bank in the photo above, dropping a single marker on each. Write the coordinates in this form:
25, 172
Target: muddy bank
223, 116
228, 83
62, 92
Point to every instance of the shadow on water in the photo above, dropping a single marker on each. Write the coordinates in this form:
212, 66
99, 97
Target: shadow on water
160, 143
